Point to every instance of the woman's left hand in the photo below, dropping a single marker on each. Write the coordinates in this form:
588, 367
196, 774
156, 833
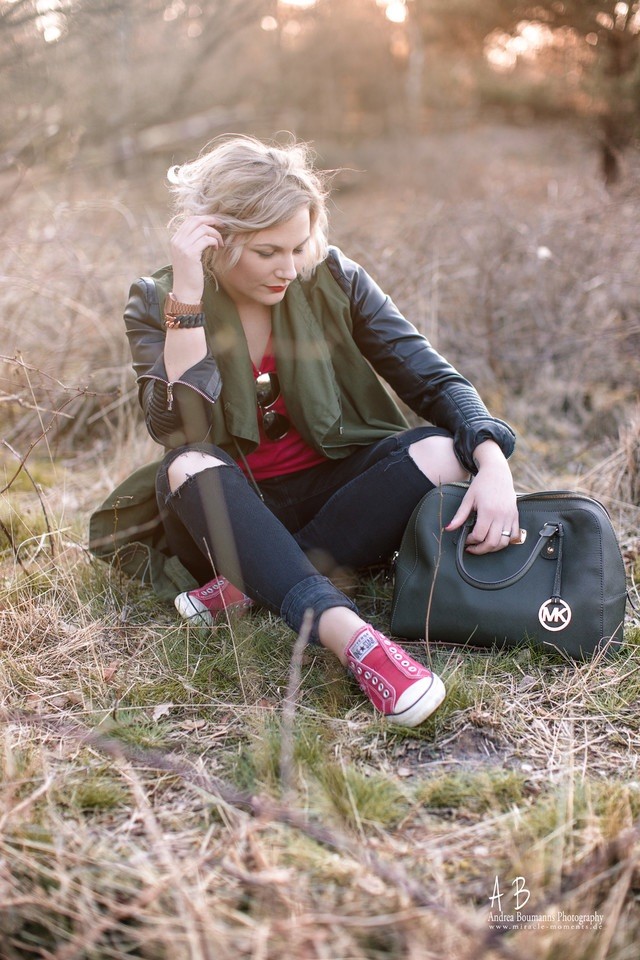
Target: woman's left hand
492, 496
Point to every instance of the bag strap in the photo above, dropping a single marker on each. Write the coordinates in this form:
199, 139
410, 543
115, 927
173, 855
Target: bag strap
549, 530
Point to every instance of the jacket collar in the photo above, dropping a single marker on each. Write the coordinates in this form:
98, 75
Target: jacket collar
302, 357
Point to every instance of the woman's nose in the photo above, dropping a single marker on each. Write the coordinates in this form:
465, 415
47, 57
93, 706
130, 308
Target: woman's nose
287, 269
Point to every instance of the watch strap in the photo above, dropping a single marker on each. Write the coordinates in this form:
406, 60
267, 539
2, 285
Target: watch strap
177, 308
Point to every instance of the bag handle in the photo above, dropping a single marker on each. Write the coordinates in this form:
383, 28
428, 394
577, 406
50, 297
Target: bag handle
549, 530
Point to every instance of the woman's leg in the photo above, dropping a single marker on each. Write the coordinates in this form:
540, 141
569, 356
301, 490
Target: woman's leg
216, 522
362, 522
231, 526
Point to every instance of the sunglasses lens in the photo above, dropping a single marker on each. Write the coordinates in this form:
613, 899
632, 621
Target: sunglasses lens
267, 389
275, 426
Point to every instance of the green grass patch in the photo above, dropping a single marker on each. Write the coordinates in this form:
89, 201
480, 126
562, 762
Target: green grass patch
359, 798
257, 762
135, 728
605, 806
24, 533
477, 792
92, 791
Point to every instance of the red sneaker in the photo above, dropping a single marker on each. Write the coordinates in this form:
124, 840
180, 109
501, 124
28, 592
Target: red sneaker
205, 605
397, 685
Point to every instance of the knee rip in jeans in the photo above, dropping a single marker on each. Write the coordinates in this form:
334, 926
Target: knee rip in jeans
188, 465
397, 457
435, 458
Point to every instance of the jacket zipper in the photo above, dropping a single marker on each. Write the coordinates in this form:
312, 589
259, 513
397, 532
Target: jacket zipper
170, 384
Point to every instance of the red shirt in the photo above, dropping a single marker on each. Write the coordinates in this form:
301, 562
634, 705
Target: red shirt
273, 458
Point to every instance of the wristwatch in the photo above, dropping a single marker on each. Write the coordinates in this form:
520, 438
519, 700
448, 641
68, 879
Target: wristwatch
175, 308
179, 315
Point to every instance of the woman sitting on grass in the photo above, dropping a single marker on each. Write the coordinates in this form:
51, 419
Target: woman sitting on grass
257, 355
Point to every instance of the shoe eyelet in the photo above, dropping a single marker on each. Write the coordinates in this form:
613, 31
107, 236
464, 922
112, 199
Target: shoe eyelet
367, 675
386, 694
397, 656
413, 669
359, 669
405, 663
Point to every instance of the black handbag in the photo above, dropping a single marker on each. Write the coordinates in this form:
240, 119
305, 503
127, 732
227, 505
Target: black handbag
562, 586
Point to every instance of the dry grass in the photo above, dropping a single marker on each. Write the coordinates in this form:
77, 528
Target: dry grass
142, 792
156, 802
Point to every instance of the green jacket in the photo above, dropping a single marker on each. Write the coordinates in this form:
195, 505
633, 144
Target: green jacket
334, 335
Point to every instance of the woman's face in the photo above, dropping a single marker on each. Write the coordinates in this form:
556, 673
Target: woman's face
269, 262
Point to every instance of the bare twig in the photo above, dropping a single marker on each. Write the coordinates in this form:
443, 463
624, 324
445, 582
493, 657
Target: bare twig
12, 544
38, 494
27, 802
435, 577
78, 392
289, 705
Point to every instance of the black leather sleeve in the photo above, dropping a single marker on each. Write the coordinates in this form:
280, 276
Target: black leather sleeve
420, 376
175, 413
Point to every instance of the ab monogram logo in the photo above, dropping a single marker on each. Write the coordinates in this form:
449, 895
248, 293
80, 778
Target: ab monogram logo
554, 614
520, 894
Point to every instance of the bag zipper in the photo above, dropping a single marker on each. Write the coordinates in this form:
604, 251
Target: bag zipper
563, 495
545, 495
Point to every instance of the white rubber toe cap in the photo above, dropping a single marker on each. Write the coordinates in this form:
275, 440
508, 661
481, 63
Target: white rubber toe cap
193, 610
419, 701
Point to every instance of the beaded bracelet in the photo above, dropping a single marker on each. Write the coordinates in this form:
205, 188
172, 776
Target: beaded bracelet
184, 321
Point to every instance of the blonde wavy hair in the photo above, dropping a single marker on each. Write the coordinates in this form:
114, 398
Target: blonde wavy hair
249, 185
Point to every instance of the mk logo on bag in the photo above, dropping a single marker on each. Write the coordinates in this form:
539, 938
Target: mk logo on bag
554, 614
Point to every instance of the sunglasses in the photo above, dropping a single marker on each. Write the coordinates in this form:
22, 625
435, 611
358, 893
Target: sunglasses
275, 425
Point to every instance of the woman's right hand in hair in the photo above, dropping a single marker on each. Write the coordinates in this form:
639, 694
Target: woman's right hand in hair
191, 239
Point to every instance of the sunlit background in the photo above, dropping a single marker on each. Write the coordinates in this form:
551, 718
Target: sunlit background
108, 82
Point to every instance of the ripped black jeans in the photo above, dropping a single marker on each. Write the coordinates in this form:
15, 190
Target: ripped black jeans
350, 512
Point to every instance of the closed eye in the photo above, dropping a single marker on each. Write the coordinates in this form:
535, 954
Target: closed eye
269, 253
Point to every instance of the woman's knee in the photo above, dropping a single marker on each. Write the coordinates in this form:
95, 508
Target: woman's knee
436, 458
189, 463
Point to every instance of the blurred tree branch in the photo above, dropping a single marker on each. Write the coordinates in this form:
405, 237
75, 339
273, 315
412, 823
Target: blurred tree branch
21, 12
117, 62
224, 19
606, 31
103, 77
